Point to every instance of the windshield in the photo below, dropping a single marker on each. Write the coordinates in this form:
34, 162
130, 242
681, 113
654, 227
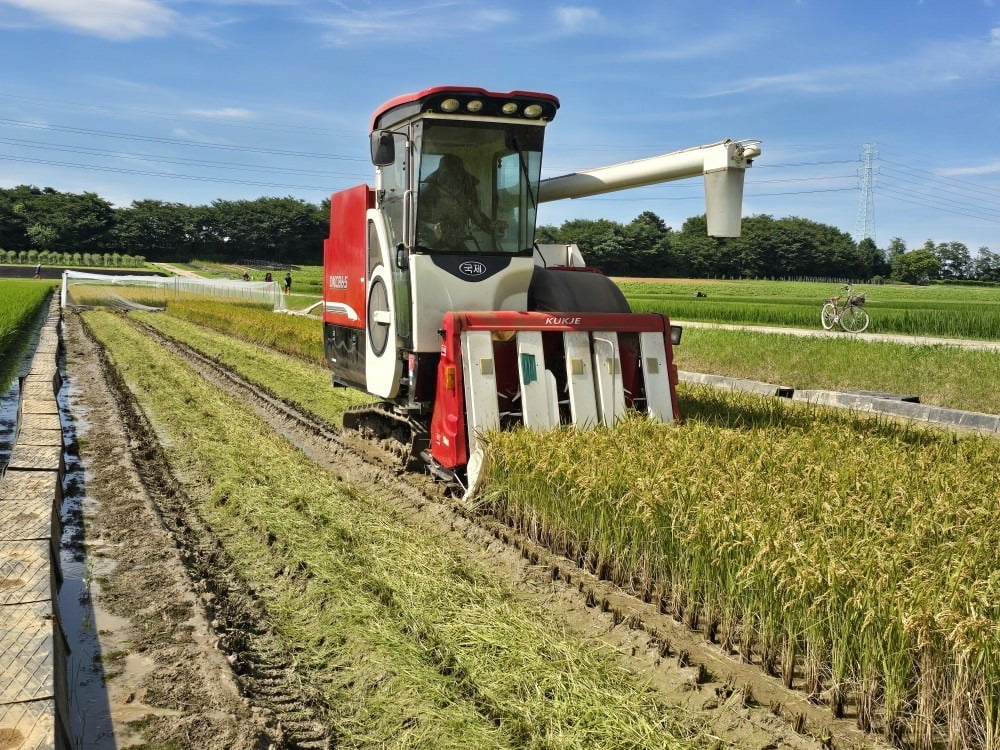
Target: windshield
478, 186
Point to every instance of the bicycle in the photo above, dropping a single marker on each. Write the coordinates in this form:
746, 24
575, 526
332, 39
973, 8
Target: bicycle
852, 317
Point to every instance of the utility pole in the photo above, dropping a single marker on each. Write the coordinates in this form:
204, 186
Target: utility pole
865, 226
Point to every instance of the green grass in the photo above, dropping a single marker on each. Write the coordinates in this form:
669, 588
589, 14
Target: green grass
407, 642
944, 311
20, 299
940, 375
853, 555
304, 384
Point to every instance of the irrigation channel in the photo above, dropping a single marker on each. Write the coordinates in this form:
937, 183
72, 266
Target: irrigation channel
251, 691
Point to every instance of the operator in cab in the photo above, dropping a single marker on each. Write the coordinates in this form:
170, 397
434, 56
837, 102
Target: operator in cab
449, 201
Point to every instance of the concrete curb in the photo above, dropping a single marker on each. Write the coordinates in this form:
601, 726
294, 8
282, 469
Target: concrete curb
969, 420
873, 403
735, 384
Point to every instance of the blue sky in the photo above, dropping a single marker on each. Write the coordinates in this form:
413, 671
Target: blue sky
193, 100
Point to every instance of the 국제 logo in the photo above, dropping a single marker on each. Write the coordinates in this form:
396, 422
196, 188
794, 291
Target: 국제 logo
472, 268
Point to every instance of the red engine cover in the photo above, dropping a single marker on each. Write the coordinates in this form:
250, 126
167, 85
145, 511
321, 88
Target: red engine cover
345, 255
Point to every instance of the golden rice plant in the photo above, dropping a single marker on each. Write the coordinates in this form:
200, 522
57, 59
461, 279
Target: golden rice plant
858, 552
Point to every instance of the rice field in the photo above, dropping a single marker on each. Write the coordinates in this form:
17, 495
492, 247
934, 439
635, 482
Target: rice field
20, 299
852, 557
404, 639
945, 311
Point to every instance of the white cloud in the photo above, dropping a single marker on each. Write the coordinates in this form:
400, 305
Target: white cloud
573, 19
429, 21
224, 113
981, 169
111, 19
937, 64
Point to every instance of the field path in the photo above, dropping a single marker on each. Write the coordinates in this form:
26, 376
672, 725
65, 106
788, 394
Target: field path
892, 338
177, 271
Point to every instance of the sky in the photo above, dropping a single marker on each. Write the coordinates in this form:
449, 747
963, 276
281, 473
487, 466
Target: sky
196, 100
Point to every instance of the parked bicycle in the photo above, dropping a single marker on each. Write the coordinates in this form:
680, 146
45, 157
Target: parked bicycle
852, 317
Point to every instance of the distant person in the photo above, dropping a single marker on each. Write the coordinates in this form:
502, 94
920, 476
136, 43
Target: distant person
288, 282
38, 272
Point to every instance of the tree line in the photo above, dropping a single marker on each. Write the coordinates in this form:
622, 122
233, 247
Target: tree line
290, 230
285, 230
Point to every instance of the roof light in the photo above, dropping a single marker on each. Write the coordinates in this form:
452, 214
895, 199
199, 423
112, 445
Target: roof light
509, 108
475, 105
449, 105
533, 110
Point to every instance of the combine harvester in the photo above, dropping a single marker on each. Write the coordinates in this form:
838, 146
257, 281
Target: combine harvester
438, 301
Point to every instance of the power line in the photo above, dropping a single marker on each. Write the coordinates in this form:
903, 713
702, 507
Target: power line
91, 151
905, 196
62, 104
167, 175
174, 141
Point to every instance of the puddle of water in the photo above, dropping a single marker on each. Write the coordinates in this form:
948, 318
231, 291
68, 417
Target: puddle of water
82, 619
8, 421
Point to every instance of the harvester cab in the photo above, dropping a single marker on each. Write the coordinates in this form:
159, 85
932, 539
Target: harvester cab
438, 302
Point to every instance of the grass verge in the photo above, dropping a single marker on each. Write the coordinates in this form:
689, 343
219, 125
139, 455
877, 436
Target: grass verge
940, 375
407, 642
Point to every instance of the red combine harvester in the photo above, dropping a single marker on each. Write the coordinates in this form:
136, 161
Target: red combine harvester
438, 301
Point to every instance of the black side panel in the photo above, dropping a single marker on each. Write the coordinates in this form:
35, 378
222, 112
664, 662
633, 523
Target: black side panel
345, 354
555, 290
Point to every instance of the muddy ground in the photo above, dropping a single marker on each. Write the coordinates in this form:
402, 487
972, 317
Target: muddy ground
170, 652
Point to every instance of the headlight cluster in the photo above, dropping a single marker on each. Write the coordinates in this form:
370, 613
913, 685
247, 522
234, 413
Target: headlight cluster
530, 110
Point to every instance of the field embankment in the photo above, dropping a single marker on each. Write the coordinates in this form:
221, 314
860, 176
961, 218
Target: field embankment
20, 301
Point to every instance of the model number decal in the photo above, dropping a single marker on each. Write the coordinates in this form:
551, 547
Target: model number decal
338, 281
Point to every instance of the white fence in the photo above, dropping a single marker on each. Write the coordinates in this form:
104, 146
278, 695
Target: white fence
261, 292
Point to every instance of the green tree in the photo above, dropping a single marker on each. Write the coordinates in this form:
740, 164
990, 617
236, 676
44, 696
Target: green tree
956, 261
916, 267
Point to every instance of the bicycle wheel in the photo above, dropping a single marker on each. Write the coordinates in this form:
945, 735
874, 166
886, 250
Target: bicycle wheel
854, 319
829, 316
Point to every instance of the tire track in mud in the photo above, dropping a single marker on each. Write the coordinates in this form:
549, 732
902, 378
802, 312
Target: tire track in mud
742, 702
264, 674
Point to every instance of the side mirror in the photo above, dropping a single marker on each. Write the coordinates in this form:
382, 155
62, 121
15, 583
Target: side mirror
383, 148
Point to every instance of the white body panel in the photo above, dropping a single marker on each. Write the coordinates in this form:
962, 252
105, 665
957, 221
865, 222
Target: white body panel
382, 371
653, 360
608, 376
580, 378
481, 404
539, 399
436, 291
